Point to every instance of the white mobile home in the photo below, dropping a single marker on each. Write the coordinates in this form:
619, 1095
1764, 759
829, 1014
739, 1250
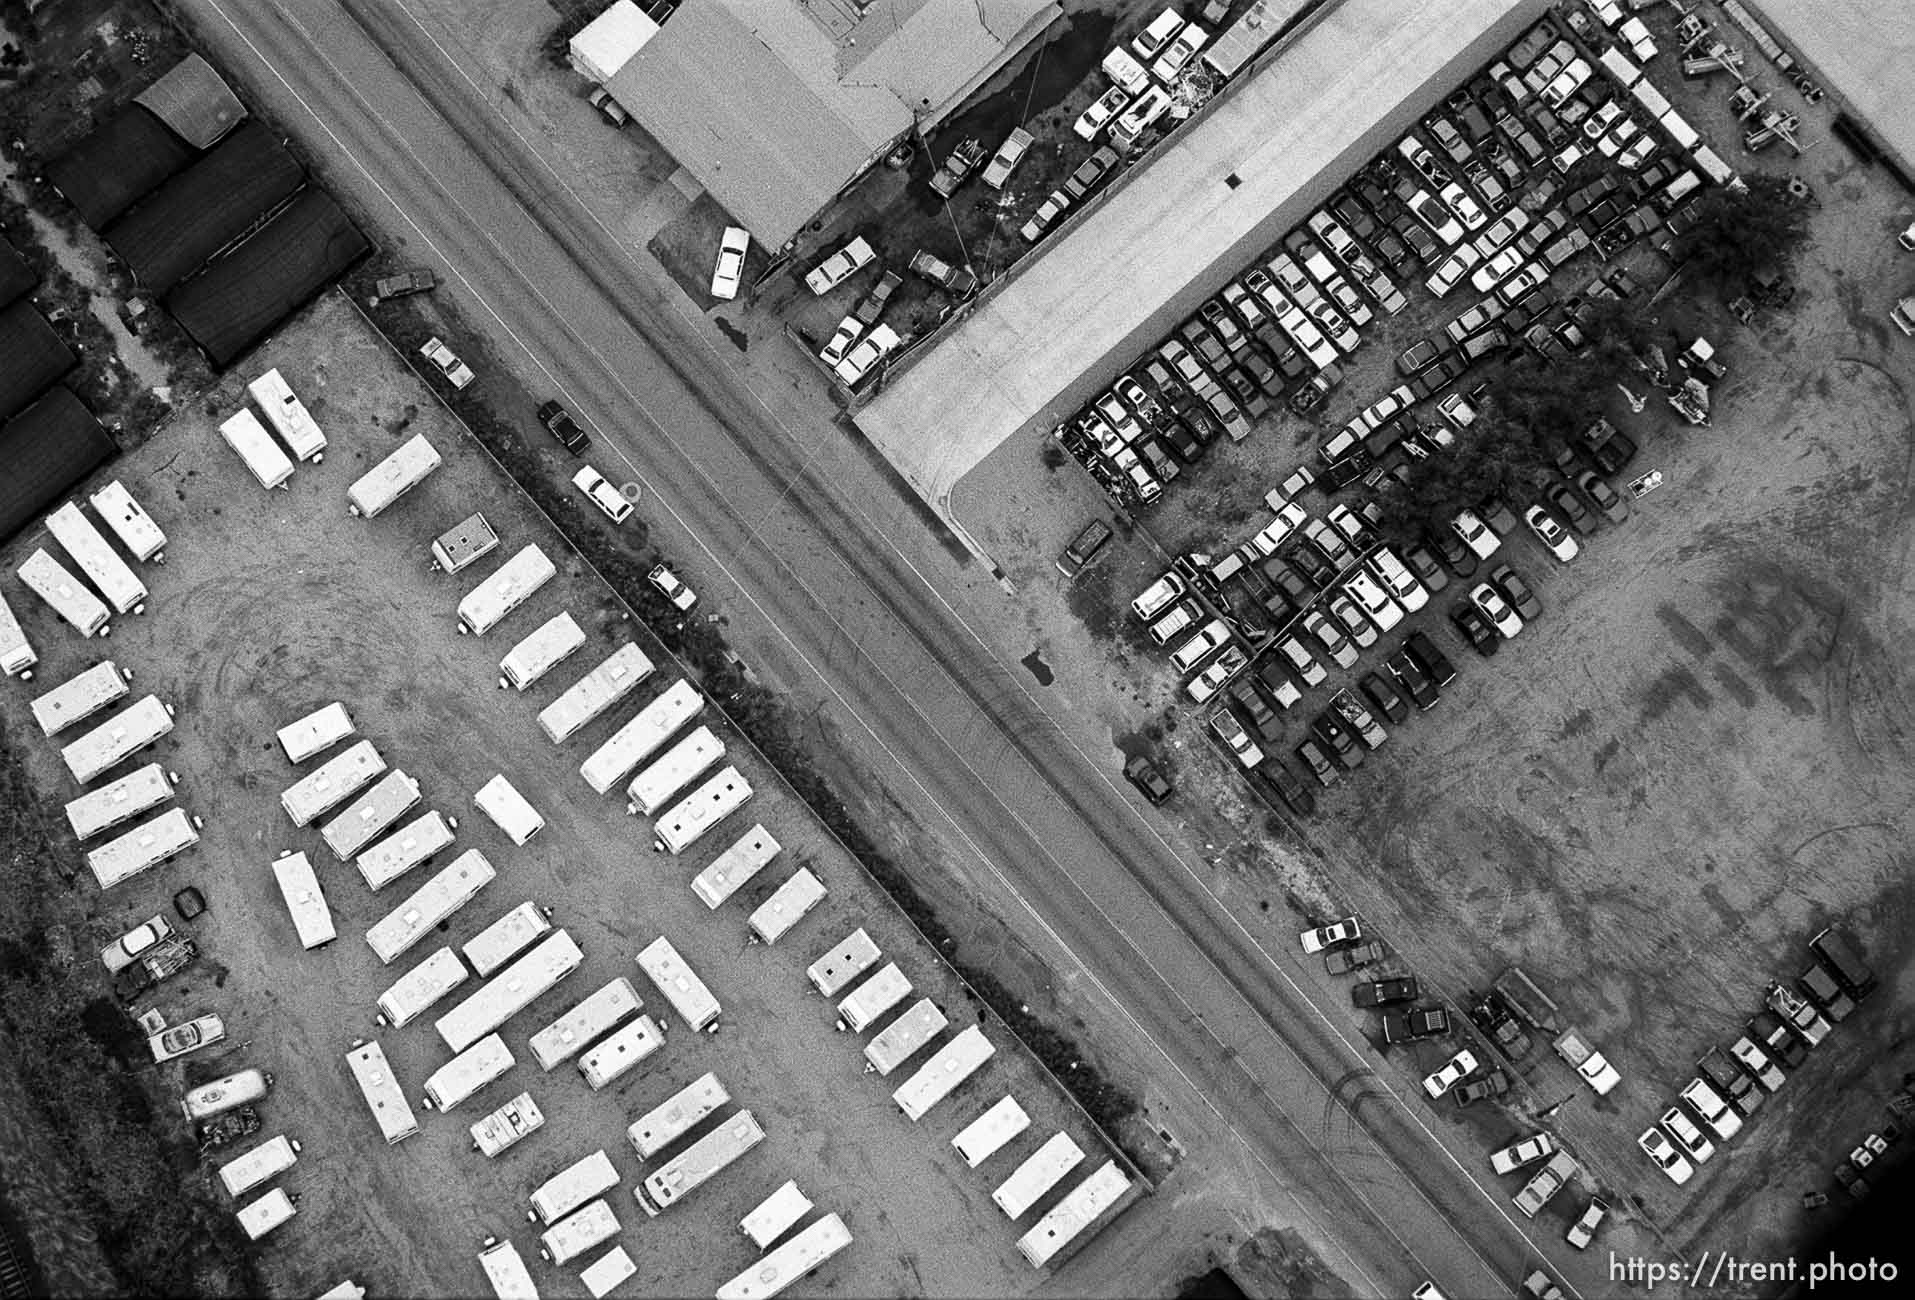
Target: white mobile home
607, 1272
791, 1261
130, 523
639, 738
699, 1162
466, 1073
288, 416
1066, 1221
143, 848
939, 1077
319, 730
905, 1036
727, 873
504, 590
585, 1023
615, 1055
81, 696
101, 810
701, 810
370, 815
874, 997
269, 1159
510, 991
591, 1225
573, 1186
337, 779
787, 906
247, 436
384, 1097
417, 842
299, 886
678, 984
852, 957
267, 1213
415, 992
97, 559
986, 1135
16, 652
507, 1272
507, 1126
506, 937
117, 739
431, 904
774, 1216
65, 594
1040, 1172
465, 542
392, 477
548, 646
595, 692
676, 1116
673, 770
500, 800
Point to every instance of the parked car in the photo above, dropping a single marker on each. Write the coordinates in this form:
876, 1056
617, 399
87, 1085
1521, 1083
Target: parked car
866, 354
1429, 658
1318, 763
1510, 585
1451, 1072
1084, 548
1208, 640
1607, 499
1092, 170
959, 164
1554, 537
1384, 993
1308, 670
1583, 1230
1416, 1023
1422, 562
1342, 961
1758, 1063
729, 271
1567, 506
1416, 683
1493, 1084
841, 340
1335, 644
1475, 629
129, 947
1008, 156
1141, 771
1709, 1106
1496, 611
402, 285
1335, 935
602, 494
840, 266
1228, 728
1181, 49
1656, 1145
1522, 1152
610, 109
456, 372
1336, 738
959, 281
1384, 696
1045, 217
1731, 1081
189, 1037
668, 585
1475, 534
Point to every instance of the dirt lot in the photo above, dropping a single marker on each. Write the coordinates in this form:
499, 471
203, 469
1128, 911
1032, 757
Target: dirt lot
1699, 756
273, 604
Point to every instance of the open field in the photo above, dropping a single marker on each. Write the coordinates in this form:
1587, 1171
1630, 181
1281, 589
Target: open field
272, 604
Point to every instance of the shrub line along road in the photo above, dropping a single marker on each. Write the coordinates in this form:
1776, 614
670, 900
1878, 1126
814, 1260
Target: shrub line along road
820, 584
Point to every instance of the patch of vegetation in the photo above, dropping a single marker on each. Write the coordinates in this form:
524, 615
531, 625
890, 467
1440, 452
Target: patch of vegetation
1739, 232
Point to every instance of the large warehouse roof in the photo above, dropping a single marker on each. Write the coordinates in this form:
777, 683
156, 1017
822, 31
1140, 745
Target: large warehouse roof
1200, 207
116, 163
1864, 51
16, 275
32, 356
774, 104
195, 101
44, 451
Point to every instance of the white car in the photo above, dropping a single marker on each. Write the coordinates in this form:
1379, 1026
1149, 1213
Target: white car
129, 947
1288, 520
1093, 119
671, 588
1490, 603
1520, 1153
1557, 92
1451, 269
457, 372
1639, 151
866, 354
1211, 680
1302, 662
1111, 407
1467, 210
1715, 1112
1656, 1146
1477, 535
1533, 276
841, 340
1008, 156
1686, 1135
1150, 42
606, 497
1491, 273
1452, 1071
189, 1037
1507, 227
840, 266
1583, 1230
1429, 210
1551, 534
1348, 930
1598, 123
1182, 48
1303, 332
1208, 640
730, 270
1641, 44
1398, 580
1143, 110
1331, 322
1230, 731
1379, 608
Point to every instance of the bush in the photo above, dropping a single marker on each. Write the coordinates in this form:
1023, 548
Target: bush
1739, 232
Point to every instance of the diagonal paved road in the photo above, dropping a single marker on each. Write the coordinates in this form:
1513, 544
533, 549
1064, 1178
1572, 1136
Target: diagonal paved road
835, 607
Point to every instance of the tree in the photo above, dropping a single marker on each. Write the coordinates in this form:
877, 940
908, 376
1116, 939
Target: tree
1496, 456
1739, 232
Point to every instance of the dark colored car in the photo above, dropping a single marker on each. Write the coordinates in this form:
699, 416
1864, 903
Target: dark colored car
1330, 731
1380, 693
1091, 171
1616, 451
1149, 779
1429, 658
1384, 993
1571, 508
1517, 592
1826, 992
1496, 513
1423, 563
1483, 638
1254, 708
1417, 1022
1295, 587
1418, 357
1775, 1037
558, 422
1341, 961
1197, 336
1607, 499
1415, 682
1482, 1087
1458, 558
1188, 446
1084, 548
1311, 563
1731, 1080
1317, 763
1284, 784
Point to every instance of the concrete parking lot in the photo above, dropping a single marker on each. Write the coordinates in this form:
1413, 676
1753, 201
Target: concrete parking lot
272, 604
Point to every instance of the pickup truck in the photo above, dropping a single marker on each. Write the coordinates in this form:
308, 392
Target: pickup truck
1595, 1070
1795, 1009
962, 162
1549, 1180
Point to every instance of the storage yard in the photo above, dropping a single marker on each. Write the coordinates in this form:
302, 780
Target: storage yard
275, 603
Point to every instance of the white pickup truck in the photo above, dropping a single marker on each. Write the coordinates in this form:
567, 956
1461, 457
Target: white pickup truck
1595, 1070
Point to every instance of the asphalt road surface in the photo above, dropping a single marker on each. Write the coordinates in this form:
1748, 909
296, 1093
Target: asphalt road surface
818, 592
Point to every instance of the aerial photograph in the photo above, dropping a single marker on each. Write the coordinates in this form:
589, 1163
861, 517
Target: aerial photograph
1230, 650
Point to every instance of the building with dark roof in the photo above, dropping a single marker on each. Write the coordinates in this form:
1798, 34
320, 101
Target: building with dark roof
194, 101
32, 356
118, 163
44, 451
16, 273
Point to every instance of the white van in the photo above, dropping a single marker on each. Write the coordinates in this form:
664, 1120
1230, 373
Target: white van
1175, 623
508, 809
1156, 598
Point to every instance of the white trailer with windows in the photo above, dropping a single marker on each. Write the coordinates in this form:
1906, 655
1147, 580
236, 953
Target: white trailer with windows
384, 1097
678, 984
855, 954
369, 816
130, 523
545, 649
247, 436
510, 991
269, 1159
772, 1217
411, 845
120, 737
699, 1162
507, 1126
591, 1225
337, 779
871, 999
960, 1058
267, 1213
98, 560
674, 1117
673, 770
1082, 1206
585, 1023
500, 800
17, 656
466, 1073
787, 906
986, 1135
101, 810
299, 886
1039, 1173
617, 1054
392, 477
504, 590
595, 692
65, 594
507, 937
701, 810
507, 1272
610, 1269
81, 696
573, 1186
319, 730
415, 992
905, 1036
791, 1261
432, 903
143, 848
464, 543
636, 741
288, 416
729, 871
